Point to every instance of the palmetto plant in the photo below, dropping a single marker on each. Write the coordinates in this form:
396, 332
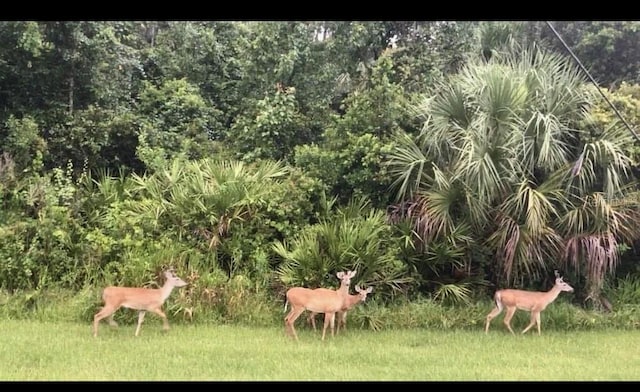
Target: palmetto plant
501, 152
202, 199
354, 237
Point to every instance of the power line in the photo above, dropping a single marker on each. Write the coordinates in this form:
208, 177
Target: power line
593, 81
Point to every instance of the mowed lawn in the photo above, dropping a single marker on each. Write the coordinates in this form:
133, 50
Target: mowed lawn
32, 350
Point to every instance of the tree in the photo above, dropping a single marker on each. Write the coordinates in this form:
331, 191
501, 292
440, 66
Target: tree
608, 49
271, 130
177, 120
501, 158
350, 159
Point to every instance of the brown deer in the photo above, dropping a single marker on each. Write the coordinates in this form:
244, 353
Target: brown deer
531, 301
328, 302
138, 298
352, 301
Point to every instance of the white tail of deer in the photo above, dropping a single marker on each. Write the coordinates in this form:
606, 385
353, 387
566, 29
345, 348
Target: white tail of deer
350, 303
532, 301
137, 298
328, 302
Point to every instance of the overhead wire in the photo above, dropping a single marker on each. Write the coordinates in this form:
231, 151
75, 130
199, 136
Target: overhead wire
593, 81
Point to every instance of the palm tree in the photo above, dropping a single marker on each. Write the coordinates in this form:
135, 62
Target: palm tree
501, 157
354, 237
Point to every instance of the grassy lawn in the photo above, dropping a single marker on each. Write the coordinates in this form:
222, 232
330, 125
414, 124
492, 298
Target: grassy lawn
31, 350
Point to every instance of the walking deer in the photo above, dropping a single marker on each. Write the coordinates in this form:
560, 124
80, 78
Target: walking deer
328, 302
138, 298
351, 302
532, 301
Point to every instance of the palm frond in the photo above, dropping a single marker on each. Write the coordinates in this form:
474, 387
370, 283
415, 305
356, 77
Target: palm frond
409, 166
453, 293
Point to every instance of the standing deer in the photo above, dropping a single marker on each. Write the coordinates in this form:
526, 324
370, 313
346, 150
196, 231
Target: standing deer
138, 298
328, 302
532, 301
352, 301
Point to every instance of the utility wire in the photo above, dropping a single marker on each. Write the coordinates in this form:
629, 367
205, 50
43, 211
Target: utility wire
593, 81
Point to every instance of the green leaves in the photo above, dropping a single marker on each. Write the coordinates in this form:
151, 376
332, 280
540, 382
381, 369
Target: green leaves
503, 133
354, 237
271, 130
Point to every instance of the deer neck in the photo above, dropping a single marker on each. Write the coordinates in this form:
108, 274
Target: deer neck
352, 300
343, 291
553, 293
166, 290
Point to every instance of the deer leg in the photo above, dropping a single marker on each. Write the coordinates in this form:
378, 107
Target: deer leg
535, 319
342, 321
312, 319
507, 318
496, 311
291, 319
339, 317
286, 322
534, 316
111, 321
333, 324
329, 319
165, 321
140, 320
106, 311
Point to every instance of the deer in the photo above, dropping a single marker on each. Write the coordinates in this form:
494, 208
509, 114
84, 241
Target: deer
326, 301
532, 301
137, 298
351, 302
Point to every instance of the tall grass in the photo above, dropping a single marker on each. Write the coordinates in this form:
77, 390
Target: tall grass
35, 350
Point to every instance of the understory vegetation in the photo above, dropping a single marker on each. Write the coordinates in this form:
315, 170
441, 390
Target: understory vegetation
441, 161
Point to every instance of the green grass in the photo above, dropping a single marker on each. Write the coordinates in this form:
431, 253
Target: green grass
35, 350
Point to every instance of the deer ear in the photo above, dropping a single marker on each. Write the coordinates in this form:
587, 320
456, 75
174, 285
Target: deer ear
358, 289
369, 289
340, 275
352, 274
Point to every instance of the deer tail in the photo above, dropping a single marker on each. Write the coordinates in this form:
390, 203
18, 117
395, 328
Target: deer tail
497, 298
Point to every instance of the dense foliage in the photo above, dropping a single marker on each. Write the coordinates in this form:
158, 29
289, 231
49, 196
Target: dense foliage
438, 159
